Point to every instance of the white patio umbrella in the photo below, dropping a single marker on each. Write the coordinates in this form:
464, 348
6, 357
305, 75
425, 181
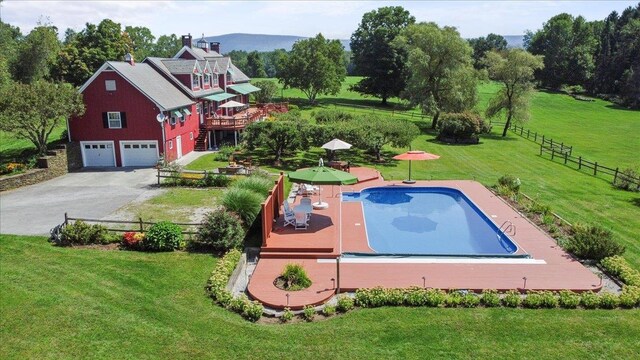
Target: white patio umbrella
336, 144
232, 104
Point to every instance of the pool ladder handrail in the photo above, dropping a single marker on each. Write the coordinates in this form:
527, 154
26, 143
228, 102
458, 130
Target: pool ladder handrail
509, 227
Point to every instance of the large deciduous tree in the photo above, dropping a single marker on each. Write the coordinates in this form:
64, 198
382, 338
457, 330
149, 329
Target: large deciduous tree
90, 48
255, 66
33, 111
36, 54
441, 75
483, 45
375, 57
142, 41
166, 46
315, 66
284, 134
515, 71
9, 36
376, 131
268, 90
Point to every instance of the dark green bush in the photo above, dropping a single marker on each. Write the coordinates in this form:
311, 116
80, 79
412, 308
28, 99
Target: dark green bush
295, 277
287, 315
329, 310
345, 303
592, 243
510, 182
163, 236
461, 128
220, 230
324, 116
81, 233
217, 180
490, 298
609, 301
243, 202
224, 153
628, 180
257, 184
308, 312
569, 299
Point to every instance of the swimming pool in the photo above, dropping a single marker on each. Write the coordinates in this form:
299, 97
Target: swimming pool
429, 221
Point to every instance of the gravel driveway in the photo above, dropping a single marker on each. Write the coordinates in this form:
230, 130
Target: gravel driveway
94, 194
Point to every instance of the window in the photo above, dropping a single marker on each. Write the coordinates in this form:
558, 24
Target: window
172, 121
195, 81
110, 85
206, 79
198, 108
127, 146
152, 146
115, 122
191, 135
170, 144
182, 118
215, 79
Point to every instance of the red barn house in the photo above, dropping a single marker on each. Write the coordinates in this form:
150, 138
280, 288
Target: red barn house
138, 112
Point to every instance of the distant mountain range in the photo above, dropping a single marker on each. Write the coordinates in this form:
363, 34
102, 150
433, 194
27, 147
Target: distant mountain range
263, 42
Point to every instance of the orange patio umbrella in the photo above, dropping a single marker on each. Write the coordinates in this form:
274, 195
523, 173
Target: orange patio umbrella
415, 155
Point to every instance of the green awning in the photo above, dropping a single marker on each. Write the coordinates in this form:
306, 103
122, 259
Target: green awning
177, 113
186, 111
219, 97
244, 89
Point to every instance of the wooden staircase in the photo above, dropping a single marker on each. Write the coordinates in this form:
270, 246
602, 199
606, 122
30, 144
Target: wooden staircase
201, 140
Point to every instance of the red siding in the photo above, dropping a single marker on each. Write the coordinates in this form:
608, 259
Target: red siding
141, 118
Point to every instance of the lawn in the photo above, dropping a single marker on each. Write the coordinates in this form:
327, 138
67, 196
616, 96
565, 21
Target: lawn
81, 303
13, 149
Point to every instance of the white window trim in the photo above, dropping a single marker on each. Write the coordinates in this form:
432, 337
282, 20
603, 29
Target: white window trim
106, 85
123, 143
109, 119
172, 120
207, 79
215, 80
191, 135
198, 106
170, 144
83, 143
193, 80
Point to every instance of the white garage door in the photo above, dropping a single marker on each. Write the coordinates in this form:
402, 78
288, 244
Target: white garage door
139, 153
98, 153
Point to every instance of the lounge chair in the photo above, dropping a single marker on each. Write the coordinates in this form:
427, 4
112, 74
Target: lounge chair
290, 219
307, 189
302, 223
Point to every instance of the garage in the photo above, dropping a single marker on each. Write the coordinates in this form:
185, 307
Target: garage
98, 153
139, 153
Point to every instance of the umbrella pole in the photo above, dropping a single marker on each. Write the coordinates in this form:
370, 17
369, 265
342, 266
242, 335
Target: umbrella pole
409, 181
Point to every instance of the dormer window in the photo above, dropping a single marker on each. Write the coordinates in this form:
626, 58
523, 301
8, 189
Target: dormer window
215, 80
195, 81
207, 80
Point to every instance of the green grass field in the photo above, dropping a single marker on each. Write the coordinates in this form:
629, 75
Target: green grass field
63, 303
87, 303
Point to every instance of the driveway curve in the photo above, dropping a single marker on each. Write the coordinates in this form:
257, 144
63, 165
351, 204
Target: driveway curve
93, 194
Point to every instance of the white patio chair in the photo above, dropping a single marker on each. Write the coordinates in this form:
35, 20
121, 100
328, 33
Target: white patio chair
287, 207
302, 223
290, 219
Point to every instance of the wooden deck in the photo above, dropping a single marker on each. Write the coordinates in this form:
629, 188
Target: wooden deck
341, 228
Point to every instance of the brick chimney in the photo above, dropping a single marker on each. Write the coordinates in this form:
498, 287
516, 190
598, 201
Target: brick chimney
215, 46
186, 40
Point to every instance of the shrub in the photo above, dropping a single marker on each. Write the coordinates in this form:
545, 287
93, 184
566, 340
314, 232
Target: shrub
537, 208
510, 182
589, 300
224, 153
630, 296
287, 315
220, 230
461, 128
132, 240
329, 310
548, 300
395, 297
163, 236
257, 184
453, 298
252, 310
416, 296
12, 168
217, 283
490, 298
324, 116
374, 297
625, 180
470, 300
81, 233
569, 299
434, 297
217, 180
243, 202
618, 266
295, 277
609, 301
237, 304
533, 300
512, 299
308, 312
592, 243
345, 303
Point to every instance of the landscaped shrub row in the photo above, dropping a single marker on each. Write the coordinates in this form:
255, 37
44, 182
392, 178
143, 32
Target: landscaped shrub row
416, 296
216, 288
197, 180
618, 266
81, 233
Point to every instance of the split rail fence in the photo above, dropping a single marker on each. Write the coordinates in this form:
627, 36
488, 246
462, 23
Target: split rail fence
138, 226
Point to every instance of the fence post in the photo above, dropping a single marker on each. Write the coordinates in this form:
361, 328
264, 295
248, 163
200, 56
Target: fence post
528, 131
158, 176
551, 141
615, 176
553, 152
579, 162
141, 224
540, 149
565, 158
66, 219
595, 168
521, 130
535, 137
542, 139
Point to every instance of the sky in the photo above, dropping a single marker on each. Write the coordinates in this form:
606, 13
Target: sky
334, 19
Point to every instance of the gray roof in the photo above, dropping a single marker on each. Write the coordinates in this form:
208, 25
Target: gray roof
237, 75
201, 54
160, 64
179, 66
152, 84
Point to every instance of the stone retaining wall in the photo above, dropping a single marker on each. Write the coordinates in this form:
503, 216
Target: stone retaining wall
55, 163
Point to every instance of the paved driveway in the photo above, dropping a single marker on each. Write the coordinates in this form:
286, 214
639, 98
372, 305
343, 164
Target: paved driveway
93, 194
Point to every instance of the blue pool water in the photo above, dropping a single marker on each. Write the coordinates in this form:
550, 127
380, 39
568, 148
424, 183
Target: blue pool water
428, 221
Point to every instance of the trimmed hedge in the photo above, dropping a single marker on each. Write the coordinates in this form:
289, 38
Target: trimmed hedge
618, 266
